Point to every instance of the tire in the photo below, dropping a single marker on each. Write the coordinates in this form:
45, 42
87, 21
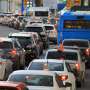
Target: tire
78, 84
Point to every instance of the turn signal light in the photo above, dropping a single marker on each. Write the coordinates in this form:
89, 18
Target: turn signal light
13, 52
87, 52
2, 62
77, 65
63, 77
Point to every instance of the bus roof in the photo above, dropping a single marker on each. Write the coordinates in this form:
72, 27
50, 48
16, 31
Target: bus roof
80, 13
38, 9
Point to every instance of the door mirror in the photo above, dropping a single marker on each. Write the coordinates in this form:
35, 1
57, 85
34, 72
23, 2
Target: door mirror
67, 84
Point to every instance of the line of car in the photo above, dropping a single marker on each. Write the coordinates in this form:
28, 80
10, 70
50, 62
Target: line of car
58, 69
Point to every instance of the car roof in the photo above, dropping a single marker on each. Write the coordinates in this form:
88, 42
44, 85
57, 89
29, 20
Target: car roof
76, 40
48, 25
72, 47
34, 25
6, 39
68, 49
23, 34
32, 72
49, 60
11, 84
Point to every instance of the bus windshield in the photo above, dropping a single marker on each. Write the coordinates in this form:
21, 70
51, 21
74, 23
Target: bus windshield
41, 13
80, 8
77, 24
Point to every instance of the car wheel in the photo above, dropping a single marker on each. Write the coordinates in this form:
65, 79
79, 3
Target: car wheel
78, 84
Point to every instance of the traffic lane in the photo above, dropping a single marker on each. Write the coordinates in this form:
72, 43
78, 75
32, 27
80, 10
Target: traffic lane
5, 30
86, 86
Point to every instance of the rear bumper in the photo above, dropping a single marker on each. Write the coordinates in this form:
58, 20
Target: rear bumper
80, 76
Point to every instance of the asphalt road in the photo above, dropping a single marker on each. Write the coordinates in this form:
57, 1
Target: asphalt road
4, 31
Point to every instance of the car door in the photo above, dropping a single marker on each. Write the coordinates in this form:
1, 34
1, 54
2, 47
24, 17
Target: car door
21, 52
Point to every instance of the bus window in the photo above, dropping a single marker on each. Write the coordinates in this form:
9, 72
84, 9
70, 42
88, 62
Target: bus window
41, 13
77, 24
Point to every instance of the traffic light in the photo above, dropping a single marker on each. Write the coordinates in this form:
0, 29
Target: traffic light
77, 2
25, 3
68, 4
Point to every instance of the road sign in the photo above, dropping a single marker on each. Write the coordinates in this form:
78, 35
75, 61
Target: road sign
52, 4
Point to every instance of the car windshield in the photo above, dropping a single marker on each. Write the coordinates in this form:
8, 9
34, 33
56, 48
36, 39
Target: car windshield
24, 41
52, 66
76, 43
5, 45
62, 55
34, 29
33, 80
7, 88
49, 27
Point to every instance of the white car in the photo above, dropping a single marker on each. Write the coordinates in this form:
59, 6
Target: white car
74, 58
38, 80
40, 29
57, 66
84, 46
52, 33
5, 68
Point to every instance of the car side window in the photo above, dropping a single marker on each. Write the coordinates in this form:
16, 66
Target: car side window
16, 45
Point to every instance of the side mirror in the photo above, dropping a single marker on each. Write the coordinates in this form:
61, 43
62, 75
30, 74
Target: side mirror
67, 84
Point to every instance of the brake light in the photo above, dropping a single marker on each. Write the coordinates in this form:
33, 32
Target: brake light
87, 52
18, 88
2, 62
13, 52
63, 77
77, 65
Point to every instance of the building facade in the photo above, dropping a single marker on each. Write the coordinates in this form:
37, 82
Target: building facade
9, 5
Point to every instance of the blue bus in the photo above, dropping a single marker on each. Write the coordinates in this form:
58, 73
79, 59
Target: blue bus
74, 25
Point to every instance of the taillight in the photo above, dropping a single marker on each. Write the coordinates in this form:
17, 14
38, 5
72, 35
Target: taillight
87, 52
63, 77
13, 52
18, 88
77, 65
2, 62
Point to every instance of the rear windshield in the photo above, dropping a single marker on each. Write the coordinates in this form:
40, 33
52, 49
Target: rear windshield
52, 66
24, 41
5, 45
33, 80
77, 24
76, 43
62, 55
49, 27
33, 29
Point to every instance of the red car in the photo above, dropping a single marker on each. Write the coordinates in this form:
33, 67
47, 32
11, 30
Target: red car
8, 85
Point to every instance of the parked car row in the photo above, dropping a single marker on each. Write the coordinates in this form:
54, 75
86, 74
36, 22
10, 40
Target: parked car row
14, 21
31, 24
